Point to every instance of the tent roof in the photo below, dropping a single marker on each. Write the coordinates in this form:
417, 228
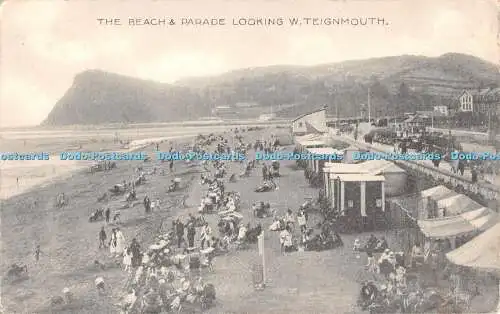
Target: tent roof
309, 113
371, 167
360, 178
323, 150
437, 192
481, 252
308, 137
376, 167
332, 167
312, 143
476, 220
457, 204
313, 129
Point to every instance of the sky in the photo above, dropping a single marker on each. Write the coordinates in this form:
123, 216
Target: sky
45, 43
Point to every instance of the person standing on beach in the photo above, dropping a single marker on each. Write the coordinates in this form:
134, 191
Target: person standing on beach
102, 238
107, 213
37, 253
179, 232
147, 204
206, 234
135, 250
17, 181
112, 242
120, 242
191, 233
264, 172
171, 166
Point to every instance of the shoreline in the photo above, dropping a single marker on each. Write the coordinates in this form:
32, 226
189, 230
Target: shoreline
45, 224
76, 168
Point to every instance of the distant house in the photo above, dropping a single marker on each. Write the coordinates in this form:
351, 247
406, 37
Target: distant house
225, 112
441, 110
415, 124
480, 100
310, 123
493, 100
246, 105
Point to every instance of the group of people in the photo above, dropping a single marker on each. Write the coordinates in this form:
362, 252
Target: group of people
188, 229
162, 276
389, 264
214, 197
267, 146
150, 206
287, 225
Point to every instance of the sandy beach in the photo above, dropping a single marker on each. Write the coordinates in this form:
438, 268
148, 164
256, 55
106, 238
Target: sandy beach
67, 239
69, 244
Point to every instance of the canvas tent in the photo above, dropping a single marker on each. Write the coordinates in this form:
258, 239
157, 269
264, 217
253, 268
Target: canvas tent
449, 214
456, 204
477, 220
482, 252
430, 197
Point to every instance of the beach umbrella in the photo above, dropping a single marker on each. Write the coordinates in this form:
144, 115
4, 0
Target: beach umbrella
482, 252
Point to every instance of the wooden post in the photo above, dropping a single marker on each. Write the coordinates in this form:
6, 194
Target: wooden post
342, 196
363, 198
383, 196
262, 253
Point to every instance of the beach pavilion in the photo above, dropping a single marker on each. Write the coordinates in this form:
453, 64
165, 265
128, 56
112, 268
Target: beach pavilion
360, 200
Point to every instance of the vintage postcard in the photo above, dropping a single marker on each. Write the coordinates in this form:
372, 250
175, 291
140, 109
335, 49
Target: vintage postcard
309, 156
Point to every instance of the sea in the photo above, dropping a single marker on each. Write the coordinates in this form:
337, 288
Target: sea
17, 176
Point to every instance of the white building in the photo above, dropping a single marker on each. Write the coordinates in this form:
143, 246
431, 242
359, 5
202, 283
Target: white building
442, 110
313, 122
466, 102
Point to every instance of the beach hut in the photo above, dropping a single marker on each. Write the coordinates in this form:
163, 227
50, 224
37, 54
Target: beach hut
330, 172
395, 177
348, 155
321, 155
360, 200
481, 253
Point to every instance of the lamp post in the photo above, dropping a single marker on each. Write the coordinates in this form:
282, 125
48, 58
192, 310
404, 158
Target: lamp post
369, 105
331, 92
449, 128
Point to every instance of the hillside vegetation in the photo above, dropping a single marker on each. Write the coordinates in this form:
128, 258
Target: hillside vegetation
396, 84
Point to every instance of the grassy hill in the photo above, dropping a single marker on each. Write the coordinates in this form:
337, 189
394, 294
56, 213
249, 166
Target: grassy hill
397, 84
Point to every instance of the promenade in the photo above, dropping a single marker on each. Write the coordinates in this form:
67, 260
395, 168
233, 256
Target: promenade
489, 189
